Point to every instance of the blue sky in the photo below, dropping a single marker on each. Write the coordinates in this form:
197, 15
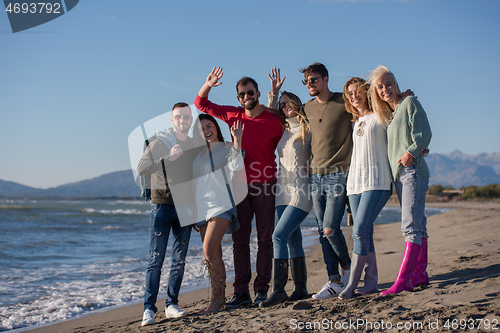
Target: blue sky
73, 89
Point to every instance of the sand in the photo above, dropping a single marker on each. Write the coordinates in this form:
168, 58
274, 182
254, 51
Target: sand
463, 295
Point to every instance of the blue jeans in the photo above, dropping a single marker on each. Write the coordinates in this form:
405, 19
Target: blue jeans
163, 219
329, 200
411, 191
365, 208
287, 236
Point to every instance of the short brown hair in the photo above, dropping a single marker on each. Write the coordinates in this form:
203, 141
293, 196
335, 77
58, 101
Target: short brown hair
315, 68
180, 105
246, 80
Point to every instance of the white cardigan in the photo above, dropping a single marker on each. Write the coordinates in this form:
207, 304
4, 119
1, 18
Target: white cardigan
369, 168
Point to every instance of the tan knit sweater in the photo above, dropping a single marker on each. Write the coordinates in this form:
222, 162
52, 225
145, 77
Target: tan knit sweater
293, 178
331, 135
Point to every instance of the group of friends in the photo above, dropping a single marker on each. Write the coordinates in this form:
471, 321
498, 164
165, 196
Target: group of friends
336, 150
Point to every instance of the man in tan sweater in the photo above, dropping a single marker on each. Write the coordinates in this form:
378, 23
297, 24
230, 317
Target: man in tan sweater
331, 149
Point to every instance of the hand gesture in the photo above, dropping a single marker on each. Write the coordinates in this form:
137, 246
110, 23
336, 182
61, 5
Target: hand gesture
276, 80
214, 77
175, 152
237, 133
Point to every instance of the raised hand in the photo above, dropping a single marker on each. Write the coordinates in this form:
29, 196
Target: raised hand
276, 80
214, 77
237, 133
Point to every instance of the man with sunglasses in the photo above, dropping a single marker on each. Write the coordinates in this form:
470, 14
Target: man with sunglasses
169, 163
263, 131
331, 148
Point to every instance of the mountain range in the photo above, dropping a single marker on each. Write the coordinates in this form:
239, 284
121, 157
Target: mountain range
455, 168
114, 184
458, 169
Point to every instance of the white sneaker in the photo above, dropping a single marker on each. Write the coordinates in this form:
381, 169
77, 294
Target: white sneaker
148, 318
173, 311
330, 289
346, 273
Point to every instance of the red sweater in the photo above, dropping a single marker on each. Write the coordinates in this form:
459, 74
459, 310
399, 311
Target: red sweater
260, 138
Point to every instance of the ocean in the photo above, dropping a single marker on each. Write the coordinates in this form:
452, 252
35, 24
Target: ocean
61, 259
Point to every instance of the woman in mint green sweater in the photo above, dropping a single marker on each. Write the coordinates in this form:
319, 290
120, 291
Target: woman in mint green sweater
408, 135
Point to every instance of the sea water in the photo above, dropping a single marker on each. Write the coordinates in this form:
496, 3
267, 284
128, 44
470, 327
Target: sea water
60, 259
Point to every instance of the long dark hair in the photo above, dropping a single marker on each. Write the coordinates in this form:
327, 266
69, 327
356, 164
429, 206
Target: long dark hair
198, 138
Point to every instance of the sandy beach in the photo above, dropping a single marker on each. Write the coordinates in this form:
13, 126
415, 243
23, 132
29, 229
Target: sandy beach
463, 295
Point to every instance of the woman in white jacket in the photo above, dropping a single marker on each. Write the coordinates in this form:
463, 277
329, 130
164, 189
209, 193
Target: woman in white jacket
215, 202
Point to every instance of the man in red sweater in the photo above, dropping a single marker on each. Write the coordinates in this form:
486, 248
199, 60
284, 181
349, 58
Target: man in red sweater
263, 131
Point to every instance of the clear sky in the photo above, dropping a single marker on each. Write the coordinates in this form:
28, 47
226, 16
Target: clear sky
73, 89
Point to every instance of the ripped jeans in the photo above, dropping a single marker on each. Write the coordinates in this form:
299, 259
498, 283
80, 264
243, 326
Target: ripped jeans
163, 220
329, 200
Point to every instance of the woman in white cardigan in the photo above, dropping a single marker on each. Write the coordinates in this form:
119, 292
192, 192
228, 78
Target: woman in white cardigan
368, 183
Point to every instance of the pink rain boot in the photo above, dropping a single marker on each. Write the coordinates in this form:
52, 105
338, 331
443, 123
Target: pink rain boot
421, 277
406, 270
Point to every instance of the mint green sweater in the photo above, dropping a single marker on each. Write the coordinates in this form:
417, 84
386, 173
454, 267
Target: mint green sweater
409, 132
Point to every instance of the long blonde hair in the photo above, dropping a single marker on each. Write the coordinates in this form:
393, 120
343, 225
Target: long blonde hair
296, 104
381, 108
362, 85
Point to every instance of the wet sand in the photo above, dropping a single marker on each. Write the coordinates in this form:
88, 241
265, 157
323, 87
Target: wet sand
464, 290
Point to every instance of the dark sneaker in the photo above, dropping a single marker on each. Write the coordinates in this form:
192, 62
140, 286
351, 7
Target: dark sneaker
260, 296
239, 299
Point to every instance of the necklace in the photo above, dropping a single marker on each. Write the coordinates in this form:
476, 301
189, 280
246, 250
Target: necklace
326, 106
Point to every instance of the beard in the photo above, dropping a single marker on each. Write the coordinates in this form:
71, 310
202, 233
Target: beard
314, 93
182, 130
250, 106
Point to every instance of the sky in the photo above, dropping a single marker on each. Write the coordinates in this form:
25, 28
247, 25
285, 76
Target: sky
72, 90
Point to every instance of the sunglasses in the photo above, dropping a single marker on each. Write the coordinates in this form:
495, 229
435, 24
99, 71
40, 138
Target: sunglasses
283, 105
361, 130
249, 93
311, 80
183, 116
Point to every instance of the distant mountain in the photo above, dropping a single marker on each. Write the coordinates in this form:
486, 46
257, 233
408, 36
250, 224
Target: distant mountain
7, 188
115, 184
455, 168
458, 169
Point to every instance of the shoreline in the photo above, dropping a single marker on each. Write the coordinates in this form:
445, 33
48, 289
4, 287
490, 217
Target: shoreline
389, 244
